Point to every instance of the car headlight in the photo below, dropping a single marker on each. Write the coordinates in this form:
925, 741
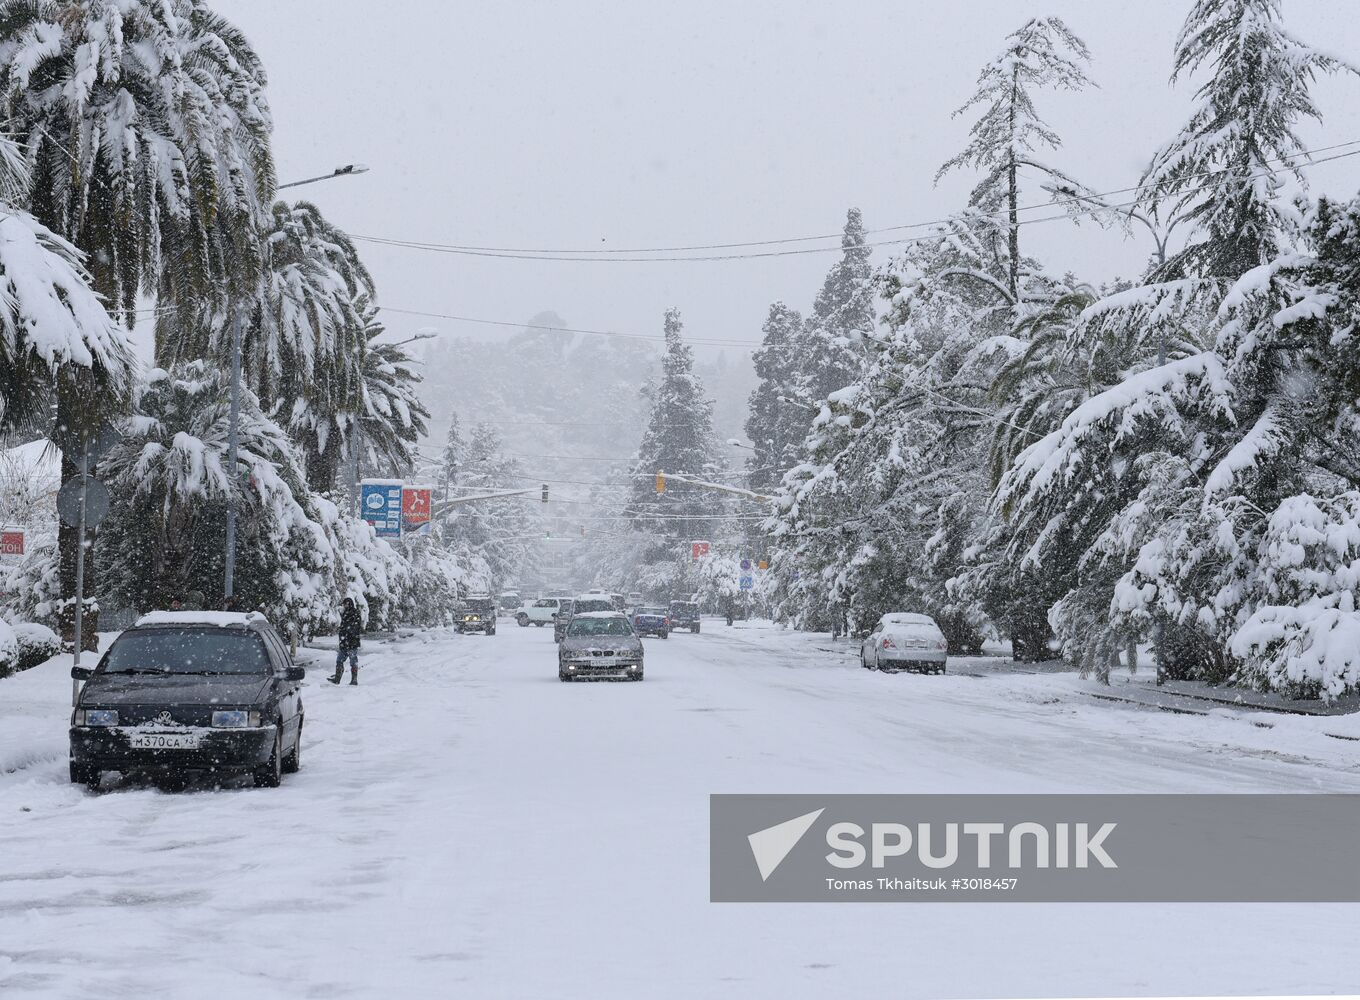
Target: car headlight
235, 719
97, 717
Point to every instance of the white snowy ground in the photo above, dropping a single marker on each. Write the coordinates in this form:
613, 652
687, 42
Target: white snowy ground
465, 825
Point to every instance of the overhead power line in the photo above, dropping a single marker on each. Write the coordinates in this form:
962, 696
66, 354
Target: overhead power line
598, 254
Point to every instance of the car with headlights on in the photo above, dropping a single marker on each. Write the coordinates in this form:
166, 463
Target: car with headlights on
600, 644
478, 614
905, 641
651, 621
593, 602
186, 692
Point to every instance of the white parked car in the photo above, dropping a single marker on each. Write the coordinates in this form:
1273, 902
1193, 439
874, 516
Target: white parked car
902, 641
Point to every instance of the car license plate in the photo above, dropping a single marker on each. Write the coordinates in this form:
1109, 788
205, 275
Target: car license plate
163, 741
603, 661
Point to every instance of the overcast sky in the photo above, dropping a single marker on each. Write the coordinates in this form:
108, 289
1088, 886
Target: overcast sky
622, 124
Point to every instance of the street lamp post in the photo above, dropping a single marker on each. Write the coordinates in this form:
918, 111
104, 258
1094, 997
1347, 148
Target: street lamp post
234, 425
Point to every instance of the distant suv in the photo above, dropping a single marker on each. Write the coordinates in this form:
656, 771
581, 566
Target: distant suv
189, 691
540, 612
684, 614
478, 615
651, 621
585, 604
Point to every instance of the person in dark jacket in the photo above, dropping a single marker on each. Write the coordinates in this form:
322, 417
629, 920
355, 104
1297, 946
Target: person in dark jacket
351, 627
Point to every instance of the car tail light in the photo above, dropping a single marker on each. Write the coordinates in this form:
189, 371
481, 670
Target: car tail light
666, 622
888, 643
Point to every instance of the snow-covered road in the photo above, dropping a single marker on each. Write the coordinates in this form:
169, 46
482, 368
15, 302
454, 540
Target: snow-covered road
465, 825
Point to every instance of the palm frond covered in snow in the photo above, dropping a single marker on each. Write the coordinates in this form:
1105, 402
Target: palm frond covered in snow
147, 133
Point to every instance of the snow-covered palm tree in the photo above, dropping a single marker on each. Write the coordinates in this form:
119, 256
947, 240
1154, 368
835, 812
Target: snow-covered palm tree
304, 341
54, 331
393, 418
148, 135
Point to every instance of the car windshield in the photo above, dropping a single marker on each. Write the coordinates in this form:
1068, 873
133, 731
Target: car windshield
680, 606
599, 626
207, 650
478, 606
545, 604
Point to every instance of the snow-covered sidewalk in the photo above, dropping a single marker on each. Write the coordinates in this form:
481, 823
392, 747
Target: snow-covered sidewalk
464, 824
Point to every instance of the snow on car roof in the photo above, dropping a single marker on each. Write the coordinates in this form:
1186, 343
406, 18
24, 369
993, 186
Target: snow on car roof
601, 614
906, 618
592, 597
222, 619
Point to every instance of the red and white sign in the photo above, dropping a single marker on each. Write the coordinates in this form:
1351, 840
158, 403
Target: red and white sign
12, 542
415, 510
697, 550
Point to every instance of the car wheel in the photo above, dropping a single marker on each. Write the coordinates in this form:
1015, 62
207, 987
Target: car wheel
523, 620
872, 666
695, 630
563, 677
491, 631
665, 635
83, 774
292, 760
270, 773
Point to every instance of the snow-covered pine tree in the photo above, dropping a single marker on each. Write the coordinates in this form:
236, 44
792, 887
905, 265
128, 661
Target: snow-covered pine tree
502, 533
679, 440
778, 415
1126, 466
1043, 53
830, 349
1225, 170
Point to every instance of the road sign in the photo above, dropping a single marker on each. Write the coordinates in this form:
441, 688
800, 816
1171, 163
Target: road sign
415, 509
96, 502
380, 501
747, 583
697, 550
746, 565
764, 564
12, 542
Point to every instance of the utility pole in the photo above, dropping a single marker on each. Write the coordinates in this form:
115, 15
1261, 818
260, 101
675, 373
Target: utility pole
233, 434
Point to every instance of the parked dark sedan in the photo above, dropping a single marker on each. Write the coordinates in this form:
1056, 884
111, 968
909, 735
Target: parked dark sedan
187, 692
600, 644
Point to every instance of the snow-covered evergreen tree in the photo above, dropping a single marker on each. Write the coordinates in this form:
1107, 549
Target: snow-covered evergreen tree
1225, 171
778, 415
830, 350
679, 441
1007, 138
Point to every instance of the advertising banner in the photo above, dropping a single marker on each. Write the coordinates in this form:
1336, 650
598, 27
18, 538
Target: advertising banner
416, 510
380, 501
11, 541
697, 550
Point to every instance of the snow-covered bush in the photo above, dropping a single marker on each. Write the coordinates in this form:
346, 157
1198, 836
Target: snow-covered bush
9, 649
36, 644
32, 587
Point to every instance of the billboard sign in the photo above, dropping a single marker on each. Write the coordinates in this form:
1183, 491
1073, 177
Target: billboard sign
697, 550
11, 541
416, 510
380, 501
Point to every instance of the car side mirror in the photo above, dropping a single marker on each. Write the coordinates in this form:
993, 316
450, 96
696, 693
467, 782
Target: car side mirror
82, 673
294, 673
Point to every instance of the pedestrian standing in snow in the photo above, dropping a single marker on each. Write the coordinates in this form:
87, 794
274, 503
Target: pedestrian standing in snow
351, 626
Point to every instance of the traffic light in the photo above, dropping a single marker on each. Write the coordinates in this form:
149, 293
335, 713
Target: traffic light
545, 492
583, 531
660, 483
